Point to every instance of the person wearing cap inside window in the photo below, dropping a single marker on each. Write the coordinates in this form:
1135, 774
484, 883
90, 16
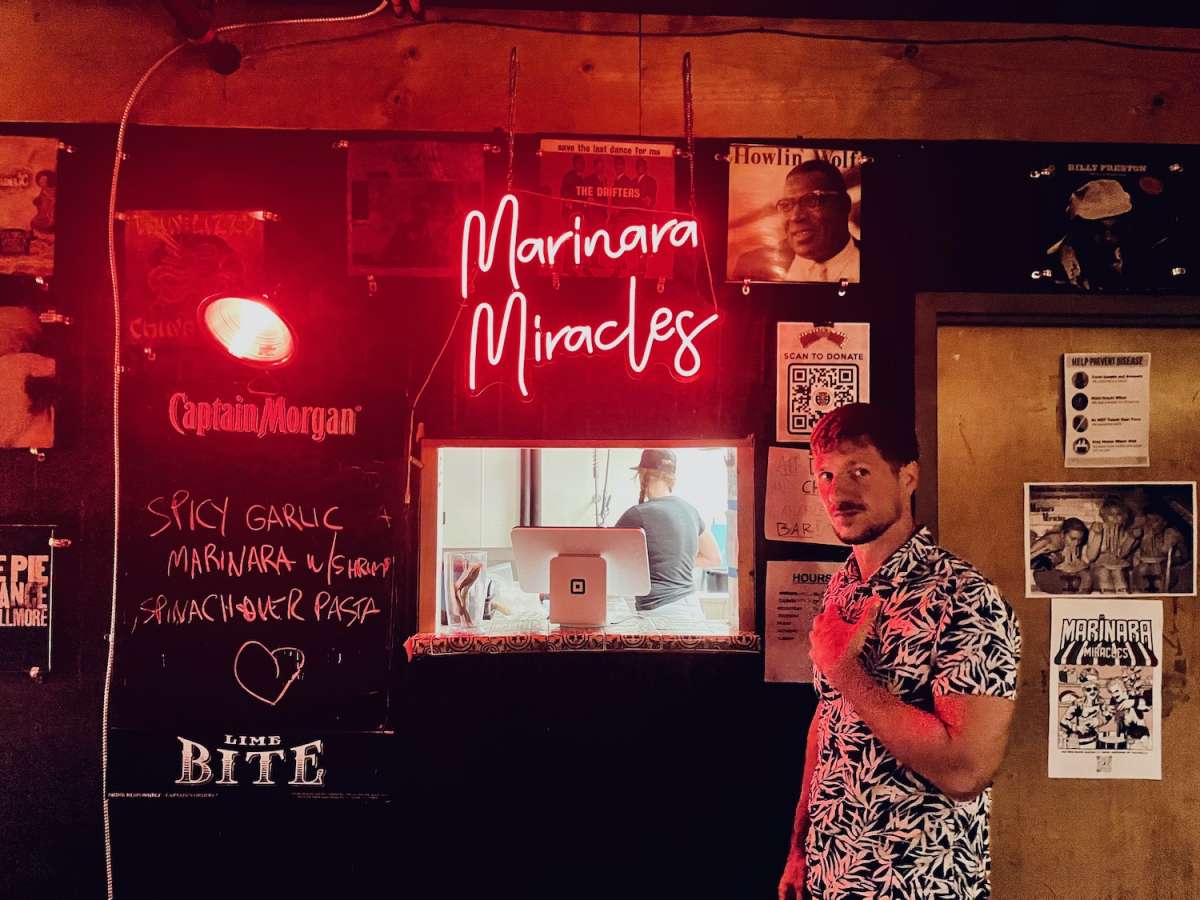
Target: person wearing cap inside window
677, 540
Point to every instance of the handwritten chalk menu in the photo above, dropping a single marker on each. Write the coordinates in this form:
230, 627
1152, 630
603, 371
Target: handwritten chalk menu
793, 508
257, 565
26, 586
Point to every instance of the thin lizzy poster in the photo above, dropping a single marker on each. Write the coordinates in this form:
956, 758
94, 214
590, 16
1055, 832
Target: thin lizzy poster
795, 214
1106, 688
174, 258
1127, 539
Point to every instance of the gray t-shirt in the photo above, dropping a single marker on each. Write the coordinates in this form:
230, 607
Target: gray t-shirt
673, 528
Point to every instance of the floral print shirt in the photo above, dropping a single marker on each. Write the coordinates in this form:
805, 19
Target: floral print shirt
877, 829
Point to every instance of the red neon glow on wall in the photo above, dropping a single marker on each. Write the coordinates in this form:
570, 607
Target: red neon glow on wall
664, 326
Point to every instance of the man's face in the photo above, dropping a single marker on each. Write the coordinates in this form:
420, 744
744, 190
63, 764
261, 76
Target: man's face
1073, 537
814, 215
579, 164
618, 165
862, 494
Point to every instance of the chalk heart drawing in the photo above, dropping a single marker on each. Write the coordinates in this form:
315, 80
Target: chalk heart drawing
266, 674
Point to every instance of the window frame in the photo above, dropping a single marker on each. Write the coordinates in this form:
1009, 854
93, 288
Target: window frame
428, 549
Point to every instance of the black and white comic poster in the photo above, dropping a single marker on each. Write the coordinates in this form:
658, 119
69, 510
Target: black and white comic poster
594, 185
795, 214
1128, 539
26, 580
1105, 688
818, 369
1106, 410
1113, 225
28, 185
407, 202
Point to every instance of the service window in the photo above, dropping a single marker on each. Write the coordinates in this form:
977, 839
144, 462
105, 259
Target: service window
473, 495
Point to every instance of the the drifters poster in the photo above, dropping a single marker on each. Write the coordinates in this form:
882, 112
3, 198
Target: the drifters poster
794, 594
407, 201
27, 380
794, 511
26, 568
28, 184
610, 185
174, 258
1126, 539
1107, 410
795, 214
1106, 688
818, 369
1113, 225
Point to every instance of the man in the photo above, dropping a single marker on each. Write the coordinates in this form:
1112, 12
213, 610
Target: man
677, 540
817, 246
647, 185
915, 668
625, 191
571, 189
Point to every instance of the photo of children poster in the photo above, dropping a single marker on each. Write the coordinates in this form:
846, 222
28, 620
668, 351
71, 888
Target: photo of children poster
1126, 540
1113, 225
818, 368
174, 258
407, 202
610, 185
1105, 688
28, 184
795, 214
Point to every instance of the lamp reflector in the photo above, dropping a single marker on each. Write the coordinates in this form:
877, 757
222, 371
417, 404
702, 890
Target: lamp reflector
249, 329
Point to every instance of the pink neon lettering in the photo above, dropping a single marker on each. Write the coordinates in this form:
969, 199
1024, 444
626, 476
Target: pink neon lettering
479, 243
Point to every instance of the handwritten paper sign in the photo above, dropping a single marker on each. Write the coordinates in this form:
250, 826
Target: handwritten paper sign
793, 508
795, 591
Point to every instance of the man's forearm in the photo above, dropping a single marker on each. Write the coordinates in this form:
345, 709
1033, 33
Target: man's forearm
800, 823
918, 739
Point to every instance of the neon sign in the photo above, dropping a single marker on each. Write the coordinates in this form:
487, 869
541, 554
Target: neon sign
514, 332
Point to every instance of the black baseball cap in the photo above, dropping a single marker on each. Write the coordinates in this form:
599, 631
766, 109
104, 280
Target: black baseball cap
657, 458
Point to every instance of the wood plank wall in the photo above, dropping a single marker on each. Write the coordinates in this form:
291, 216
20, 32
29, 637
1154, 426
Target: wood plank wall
76, 61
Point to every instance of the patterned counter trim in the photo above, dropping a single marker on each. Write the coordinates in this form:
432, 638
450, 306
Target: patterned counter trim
556, 642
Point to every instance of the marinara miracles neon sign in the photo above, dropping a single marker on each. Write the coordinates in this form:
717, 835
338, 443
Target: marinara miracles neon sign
514, 333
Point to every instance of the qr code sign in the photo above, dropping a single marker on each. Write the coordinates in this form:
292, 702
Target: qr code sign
814, 390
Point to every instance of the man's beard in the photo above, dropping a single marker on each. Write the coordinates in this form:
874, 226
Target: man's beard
871, 531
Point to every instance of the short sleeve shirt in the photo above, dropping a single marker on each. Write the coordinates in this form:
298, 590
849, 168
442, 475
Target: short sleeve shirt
877, 828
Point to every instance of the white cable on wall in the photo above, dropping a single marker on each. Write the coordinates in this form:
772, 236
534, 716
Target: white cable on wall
116, 395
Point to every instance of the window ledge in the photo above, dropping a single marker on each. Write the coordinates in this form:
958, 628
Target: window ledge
552, 639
